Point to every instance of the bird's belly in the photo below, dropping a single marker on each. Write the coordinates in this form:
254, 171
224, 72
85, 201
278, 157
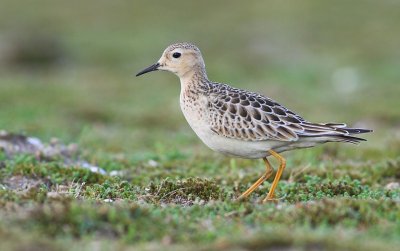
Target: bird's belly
229, 146
240, 148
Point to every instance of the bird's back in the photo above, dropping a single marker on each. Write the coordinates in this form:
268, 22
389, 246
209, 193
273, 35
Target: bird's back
249, 116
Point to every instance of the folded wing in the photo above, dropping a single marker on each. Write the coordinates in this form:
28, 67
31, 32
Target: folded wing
244, 115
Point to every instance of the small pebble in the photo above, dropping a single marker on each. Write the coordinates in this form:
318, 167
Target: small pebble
116, 173
393, 185
152, 163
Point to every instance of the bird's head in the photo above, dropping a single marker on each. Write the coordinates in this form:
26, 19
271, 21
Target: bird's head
182, 59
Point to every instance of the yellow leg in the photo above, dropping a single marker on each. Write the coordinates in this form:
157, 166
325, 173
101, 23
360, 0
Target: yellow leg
282, 165
266, 175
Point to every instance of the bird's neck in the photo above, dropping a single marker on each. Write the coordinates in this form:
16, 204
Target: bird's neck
194, 79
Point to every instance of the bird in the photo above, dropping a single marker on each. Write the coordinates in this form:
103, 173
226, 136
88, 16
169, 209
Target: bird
242, 123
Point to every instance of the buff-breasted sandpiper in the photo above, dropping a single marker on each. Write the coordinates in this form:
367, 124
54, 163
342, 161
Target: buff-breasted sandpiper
241, 123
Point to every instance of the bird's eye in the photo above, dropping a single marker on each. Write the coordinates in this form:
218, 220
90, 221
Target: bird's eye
176, 55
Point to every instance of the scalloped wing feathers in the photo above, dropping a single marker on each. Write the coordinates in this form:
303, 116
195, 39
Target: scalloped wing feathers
235, 113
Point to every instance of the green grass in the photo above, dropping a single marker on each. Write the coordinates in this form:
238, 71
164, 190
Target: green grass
331, 62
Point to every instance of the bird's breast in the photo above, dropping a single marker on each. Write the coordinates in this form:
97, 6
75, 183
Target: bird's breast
194, 108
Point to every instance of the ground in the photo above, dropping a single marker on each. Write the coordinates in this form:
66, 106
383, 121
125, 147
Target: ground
67, 72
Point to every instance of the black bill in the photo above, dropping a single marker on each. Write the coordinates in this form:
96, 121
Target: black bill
153, 67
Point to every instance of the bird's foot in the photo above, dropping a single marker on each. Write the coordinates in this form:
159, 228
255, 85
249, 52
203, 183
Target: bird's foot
270, 198
242, 197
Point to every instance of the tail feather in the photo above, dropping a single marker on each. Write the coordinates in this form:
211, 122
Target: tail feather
347, 139
356, 130
335, 131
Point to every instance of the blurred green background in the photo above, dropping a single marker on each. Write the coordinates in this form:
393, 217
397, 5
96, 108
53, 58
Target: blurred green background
67, 67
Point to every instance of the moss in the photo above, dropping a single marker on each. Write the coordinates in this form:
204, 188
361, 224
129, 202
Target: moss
390, 169
112, 189
184, 191
54, 172
317, 188
72, 219
348, 212
367, 173
7, 196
